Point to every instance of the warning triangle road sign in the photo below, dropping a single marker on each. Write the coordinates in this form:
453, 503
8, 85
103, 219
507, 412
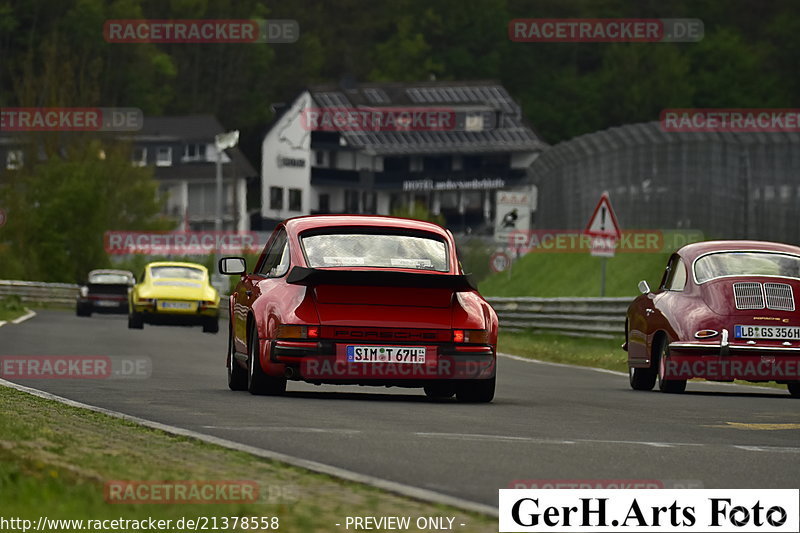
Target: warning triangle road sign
603, 222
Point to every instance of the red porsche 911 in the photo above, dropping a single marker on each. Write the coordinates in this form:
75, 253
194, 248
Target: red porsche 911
367, 300
724, 310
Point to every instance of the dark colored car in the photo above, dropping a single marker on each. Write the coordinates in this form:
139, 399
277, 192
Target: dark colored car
105, 291
724, 310
362, 300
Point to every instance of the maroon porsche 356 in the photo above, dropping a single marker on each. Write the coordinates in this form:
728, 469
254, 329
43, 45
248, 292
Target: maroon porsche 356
724, 310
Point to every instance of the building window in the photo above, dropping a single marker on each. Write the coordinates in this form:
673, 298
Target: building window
276, 198
396, 164
194, 152
14, 159
440, 163
319, 157
351, 201
295, 200
164, 156
324, 203
139, 157
474, 122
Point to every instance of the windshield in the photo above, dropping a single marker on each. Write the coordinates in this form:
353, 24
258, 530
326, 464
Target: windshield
378, 251
723, 264
109, 279
176, 272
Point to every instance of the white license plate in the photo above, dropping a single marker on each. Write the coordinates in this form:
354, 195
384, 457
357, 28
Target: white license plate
386, 354
767, 332
176, 305
106, 303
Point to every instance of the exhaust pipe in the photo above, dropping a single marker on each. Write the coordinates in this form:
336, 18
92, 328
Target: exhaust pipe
291, 373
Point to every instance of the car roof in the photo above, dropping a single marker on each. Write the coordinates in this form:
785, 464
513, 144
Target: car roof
176, 264
300, 224
692, 251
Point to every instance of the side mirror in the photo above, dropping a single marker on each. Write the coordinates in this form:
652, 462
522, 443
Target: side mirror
232, 266
644, 288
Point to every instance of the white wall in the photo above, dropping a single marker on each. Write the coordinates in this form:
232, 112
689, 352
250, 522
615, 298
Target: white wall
288, 138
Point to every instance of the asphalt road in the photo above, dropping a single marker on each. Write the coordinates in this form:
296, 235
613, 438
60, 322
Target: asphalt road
547, 422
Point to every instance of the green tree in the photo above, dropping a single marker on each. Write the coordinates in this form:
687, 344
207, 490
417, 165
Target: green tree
59, 209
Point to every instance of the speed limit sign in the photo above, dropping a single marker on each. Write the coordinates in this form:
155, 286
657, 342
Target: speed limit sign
499, 262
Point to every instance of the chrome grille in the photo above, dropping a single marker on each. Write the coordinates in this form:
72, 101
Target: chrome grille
748, 295
779, 296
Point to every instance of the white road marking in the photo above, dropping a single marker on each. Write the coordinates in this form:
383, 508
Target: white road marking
23, 318
475, 436
617, 373
768, 449
284, 428
512, 438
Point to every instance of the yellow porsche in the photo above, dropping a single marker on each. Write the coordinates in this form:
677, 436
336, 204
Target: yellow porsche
174, 293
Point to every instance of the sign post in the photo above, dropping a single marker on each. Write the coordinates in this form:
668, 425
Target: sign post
604, 232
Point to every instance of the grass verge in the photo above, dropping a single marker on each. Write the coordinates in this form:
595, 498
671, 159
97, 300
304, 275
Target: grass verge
56, 459
11, 308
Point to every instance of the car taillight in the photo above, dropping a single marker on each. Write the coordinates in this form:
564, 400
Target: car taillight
706, 334
297, 332
206, 304
474, 336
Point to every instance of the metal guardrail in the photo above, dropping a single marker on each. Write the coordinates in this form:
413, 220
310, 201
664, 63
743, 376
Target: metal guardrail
580, 317
38, 292
584, 317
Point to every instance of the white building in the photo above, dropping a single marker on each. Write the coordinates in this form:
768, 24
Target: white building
454, 167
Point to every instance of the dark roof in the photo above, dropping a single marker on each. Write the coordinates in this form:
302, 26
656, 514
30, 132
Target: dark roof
180, 127
510, 132
189, 128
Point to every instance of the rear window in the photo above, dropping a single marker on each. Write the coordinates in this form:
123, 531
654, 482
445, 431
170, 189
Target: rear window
375, 251
109, 279
176, 272
722, 264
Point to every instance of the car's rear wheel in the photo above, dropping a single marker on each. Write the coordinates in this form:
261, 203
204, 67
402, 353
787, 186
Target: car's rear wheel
475, 390
259, 382
440, 391
135, 320
211, 325
237, 376
82, 310
794, 389
667, 385
642, 378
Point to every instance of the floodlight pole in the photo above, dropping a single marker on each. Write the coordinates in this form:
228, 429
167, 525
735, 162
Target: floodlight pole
222, 142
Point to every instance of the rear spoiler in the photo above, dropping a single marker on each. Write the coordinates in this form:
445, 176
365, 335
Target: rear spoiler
389, 278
